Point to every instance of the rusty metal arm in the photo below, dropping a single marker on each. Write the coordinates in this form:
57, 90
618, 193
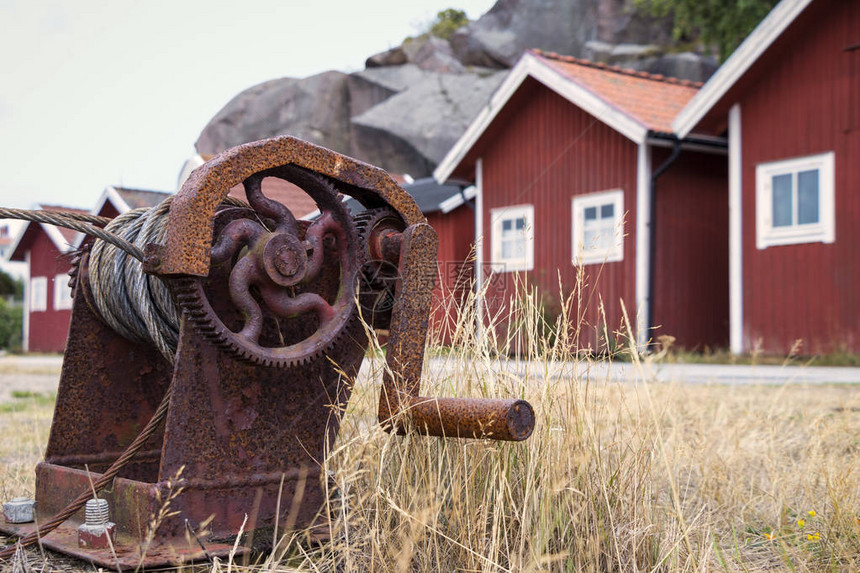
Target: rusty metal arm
400, 404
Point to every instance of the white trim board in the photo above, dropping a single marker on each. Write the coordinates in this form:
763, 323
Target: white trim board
531, 66
643, 244
455, 201
737, 65
736, 302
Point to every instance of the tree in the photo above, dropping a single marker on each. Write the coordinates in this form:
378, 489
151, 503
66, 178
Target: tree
11, 320
447, 22
720, 23
9, 286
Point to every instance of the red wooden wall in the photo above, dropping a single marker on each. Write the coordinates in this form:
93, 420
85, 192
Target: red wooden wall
456, 232
691, 288
542, 150
804, 99
48, 329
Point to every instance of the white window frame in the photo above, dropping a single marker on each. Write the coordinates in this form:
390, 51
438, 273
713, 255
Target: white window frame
824, 231
497, 217
38, 294
62, 292
579, 204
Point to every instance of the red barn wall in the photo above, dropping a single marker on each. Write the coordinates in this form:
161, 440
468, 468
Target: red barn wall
48, 329
456, 232
803, 100
691, 284
542, 150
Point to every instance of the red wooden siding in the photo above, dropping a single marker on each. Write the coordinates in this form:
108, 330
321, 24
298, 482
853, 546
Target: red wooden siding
542, 150
456, 232
803, 101
691, 284
48, 329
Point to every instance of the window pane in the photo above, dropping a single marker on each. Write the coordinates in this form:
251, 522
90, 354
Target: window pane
607, 211
590, 213
781, 191
590, 239
521, 224
807, 197
507, 225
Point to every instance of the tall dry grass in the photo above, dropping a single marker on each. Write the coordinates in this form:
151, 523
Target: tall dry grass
619, 475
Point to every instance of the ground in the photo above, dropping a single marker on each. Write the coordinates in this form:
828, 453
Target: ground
631, 468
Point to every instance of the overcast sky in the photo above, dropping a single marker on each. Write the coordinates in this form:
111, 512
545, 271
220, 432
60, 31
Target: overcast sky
115, 92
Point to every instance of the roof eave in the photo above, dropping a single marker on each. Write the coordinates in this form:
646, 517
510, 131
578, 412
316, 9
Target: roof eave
531, 66
768, 30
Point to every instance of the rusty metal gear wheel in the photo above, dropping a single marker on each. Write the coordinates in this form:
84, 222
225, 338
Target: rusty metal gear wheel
280, 292
379, 271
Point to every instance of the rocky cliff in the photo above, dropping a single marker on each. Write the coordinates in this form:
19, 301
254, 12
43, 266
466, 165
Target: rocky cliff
412, 103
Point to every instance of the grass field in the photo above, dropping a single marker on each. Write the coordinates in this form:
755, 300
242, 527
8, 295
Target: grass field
618, 476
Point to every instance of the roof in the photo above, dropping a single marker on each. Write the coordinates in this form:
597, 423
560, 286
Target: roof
125, 199
651, 99
431, 197
136, 198
64, 239
631, 102
284, 192
750, 50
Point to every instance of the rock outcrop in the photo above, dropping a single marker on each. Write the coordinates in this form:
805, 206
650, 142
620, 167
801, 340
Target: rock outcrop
412, 102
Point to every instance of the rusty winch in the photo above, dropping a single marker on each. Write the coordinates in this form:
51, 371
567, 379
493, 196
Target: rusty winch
270, 338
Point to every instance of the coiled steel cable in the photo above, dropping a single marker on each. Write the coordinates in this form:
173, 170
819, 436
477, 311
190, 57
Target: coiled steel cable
136, 305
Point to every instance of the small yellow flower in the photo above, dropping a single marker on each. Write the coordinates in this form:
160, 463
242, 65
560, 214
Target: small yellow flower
769, 536
812, 513
800, 523
813, 536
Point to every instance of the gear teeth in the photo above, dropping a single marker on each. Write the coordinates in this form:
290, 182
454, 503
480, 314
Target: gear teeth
191, 297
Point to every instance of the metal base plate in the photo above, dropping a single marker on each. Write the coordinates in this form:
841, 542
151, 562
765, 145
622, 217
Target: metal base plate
128, 552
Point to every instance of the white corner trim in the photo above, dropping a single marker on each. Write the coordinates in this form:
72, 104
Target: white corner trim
25, 327
643, 244
738, 63
530, 66
455, 201
736, 302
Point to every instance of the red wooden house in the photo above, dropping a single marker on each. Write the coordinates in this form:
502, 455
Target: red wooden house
47, 297
450, 211
571, 164
789, 101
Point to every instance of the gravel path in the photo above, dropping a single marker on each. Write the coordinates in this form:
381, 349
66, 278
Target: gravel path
39, 374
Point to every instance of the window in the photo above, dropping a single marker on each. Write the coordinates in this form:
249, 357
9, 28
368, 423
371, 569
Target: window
795, 201
513, 238
598, 227
62, 292
38, 294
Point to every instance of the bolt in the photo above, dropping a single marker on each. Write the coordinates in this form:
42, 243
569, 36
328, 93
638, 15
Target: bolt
19, 510
94, 533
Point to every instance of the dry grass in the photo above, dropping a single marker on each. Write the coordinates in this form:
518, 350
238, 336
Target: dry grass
618, 476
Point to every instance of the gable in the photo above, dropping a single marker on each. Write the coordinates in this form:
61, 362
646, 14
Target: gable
714, 99
631, 103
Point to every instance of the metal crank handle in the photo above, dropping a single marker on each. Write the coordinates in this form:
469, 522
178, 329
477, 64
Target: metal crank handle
497, 419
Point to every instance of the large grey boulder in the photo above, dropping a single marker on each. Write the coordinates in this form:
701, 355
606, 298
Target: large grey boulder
432, 114
500, 36
315, 109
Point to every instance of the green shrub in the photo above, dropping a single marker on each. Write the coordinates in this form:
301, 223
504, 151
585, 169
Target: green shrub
11, 324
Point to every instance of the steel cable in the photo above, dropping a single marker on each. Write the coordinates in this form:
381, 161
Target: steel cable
136, 305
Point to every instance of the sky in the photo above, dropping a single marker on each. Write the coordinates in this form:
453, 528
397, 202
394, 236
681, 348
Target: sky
115, 92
